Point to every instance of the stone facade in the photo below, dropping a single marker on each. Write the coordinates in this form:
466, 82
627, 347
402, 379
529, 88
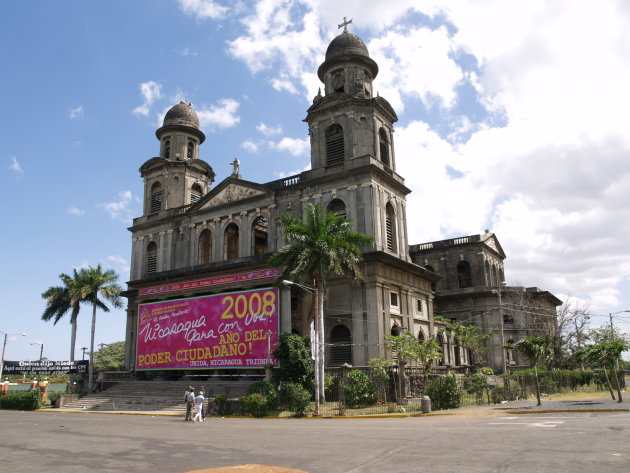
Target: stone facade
471, 290
190, 230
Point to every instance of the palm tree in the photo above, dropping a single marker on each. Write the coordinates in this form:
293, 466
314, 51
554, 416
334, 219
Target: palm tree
321, 246
104, 284
538, 350
63, 299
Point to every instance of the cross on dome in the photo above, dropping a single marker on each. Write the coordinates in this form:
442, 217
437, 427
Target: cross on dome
345, 24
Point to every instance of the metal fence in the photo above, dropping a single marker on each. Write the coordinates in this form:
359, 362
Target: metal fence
358, 391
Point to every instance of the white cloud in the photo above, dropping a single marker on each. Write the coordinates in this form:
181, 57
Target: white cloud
294, 146
269, 130
76, 113
117, 260
120, 209
222, 115
250, 146
151, 91
15, 165
75, 211
203, 9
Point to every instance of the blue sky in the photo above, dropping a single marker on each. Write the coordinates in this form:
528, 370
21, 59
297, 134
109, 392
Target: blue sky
512, 117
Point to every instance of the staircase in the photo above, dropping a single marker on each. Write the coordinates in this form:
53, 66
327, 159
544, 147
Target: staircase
156, 395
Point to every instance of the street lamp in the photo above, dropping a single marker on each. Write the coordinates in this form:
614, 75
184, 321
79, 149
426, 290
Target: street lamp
497, 291
4, 348
41, 351
319, 356
83, 350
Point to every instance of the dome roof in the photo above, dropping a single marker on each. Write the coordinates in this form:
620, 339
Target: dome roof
182, 114
347, 47
346, 44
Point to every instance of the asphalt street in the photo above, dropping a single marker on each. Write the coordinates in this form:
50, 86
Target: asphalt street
552, 442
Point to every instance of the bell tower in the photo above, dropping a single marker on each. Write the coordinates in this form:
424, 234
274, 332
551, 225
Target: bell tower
177, 177
348, 122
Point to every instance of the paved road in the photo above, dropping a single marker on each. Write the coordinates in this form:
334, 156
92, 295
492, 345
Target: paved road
558, 442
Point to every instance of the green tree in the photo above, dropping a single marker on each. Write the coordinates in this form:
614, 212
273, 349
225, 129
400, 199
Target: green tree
470, 337
381, 370
110, 357
407, 348
538, 350
99, 284
296, 366
63, 299
607, 354
316, 248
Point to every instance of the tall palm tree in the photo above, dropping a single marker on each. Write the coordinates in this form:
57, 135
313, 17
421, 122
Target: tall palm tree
104, 284
63, 299
320, 246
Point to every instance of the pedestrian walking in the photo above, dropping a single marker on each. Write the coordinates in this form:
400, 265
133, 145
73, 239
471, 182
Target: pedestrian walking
199, 406
189, 399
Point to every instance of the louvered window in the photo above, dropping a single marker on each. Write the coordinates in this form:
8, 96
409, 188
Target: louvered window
390, 228
167, 149
341, 349
384, 147
195, 193
152, 258
190, 150
334, 145
156, 198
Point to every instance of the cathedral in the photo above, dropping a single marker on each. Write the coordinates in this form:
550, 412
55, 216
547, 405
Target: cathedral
201, 294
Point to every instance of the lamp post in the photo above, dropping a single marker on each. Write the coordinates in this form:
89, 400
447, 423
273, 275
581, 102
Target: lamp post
319, 370
497, 291
83, 350
4, 348
41, 351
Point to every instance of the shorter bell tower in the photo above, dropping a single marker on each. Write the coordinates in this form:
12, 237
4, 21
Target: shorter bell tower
177, 177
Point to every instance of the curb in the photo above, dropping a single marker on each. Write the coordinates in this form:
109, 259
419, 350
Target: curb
547, 411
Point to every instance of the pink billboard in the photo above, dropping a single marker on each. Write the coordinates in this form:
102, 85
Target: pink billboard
228, 330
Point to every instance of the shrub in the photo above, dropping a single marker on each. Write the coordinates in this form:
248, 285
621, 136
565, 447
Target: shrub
53, 396
255, 404
24, 401
293, 353
266, 389
220, 405
476, 384
444, 392
359, 389
295, 398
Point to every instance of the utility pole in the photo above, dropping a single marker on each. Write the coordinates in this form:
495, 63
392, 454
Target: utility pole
498, 293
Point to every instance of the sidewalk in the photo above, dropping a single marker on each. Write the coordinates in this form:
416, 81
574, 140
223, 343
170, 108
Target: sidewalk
571, 402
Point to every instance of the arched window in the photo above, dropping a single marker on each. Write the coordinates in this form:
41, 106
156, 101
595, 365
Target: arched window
495, 276
195, 193
167, 149
509, 356
383, 144
156, 198
230, 241
334, 145
396, 330
390, 227
464, 274
205, 247
190, 149
260, 230
337, 207
458, 352
341, 349
152, 258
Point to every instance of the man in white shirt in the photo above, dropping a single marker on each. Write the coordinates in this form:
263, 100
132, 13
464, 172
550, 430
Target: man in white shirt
199, 406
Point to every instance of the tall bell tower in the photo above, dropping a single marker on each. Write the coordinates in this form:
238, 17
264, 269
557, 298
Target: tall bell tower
177, 177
